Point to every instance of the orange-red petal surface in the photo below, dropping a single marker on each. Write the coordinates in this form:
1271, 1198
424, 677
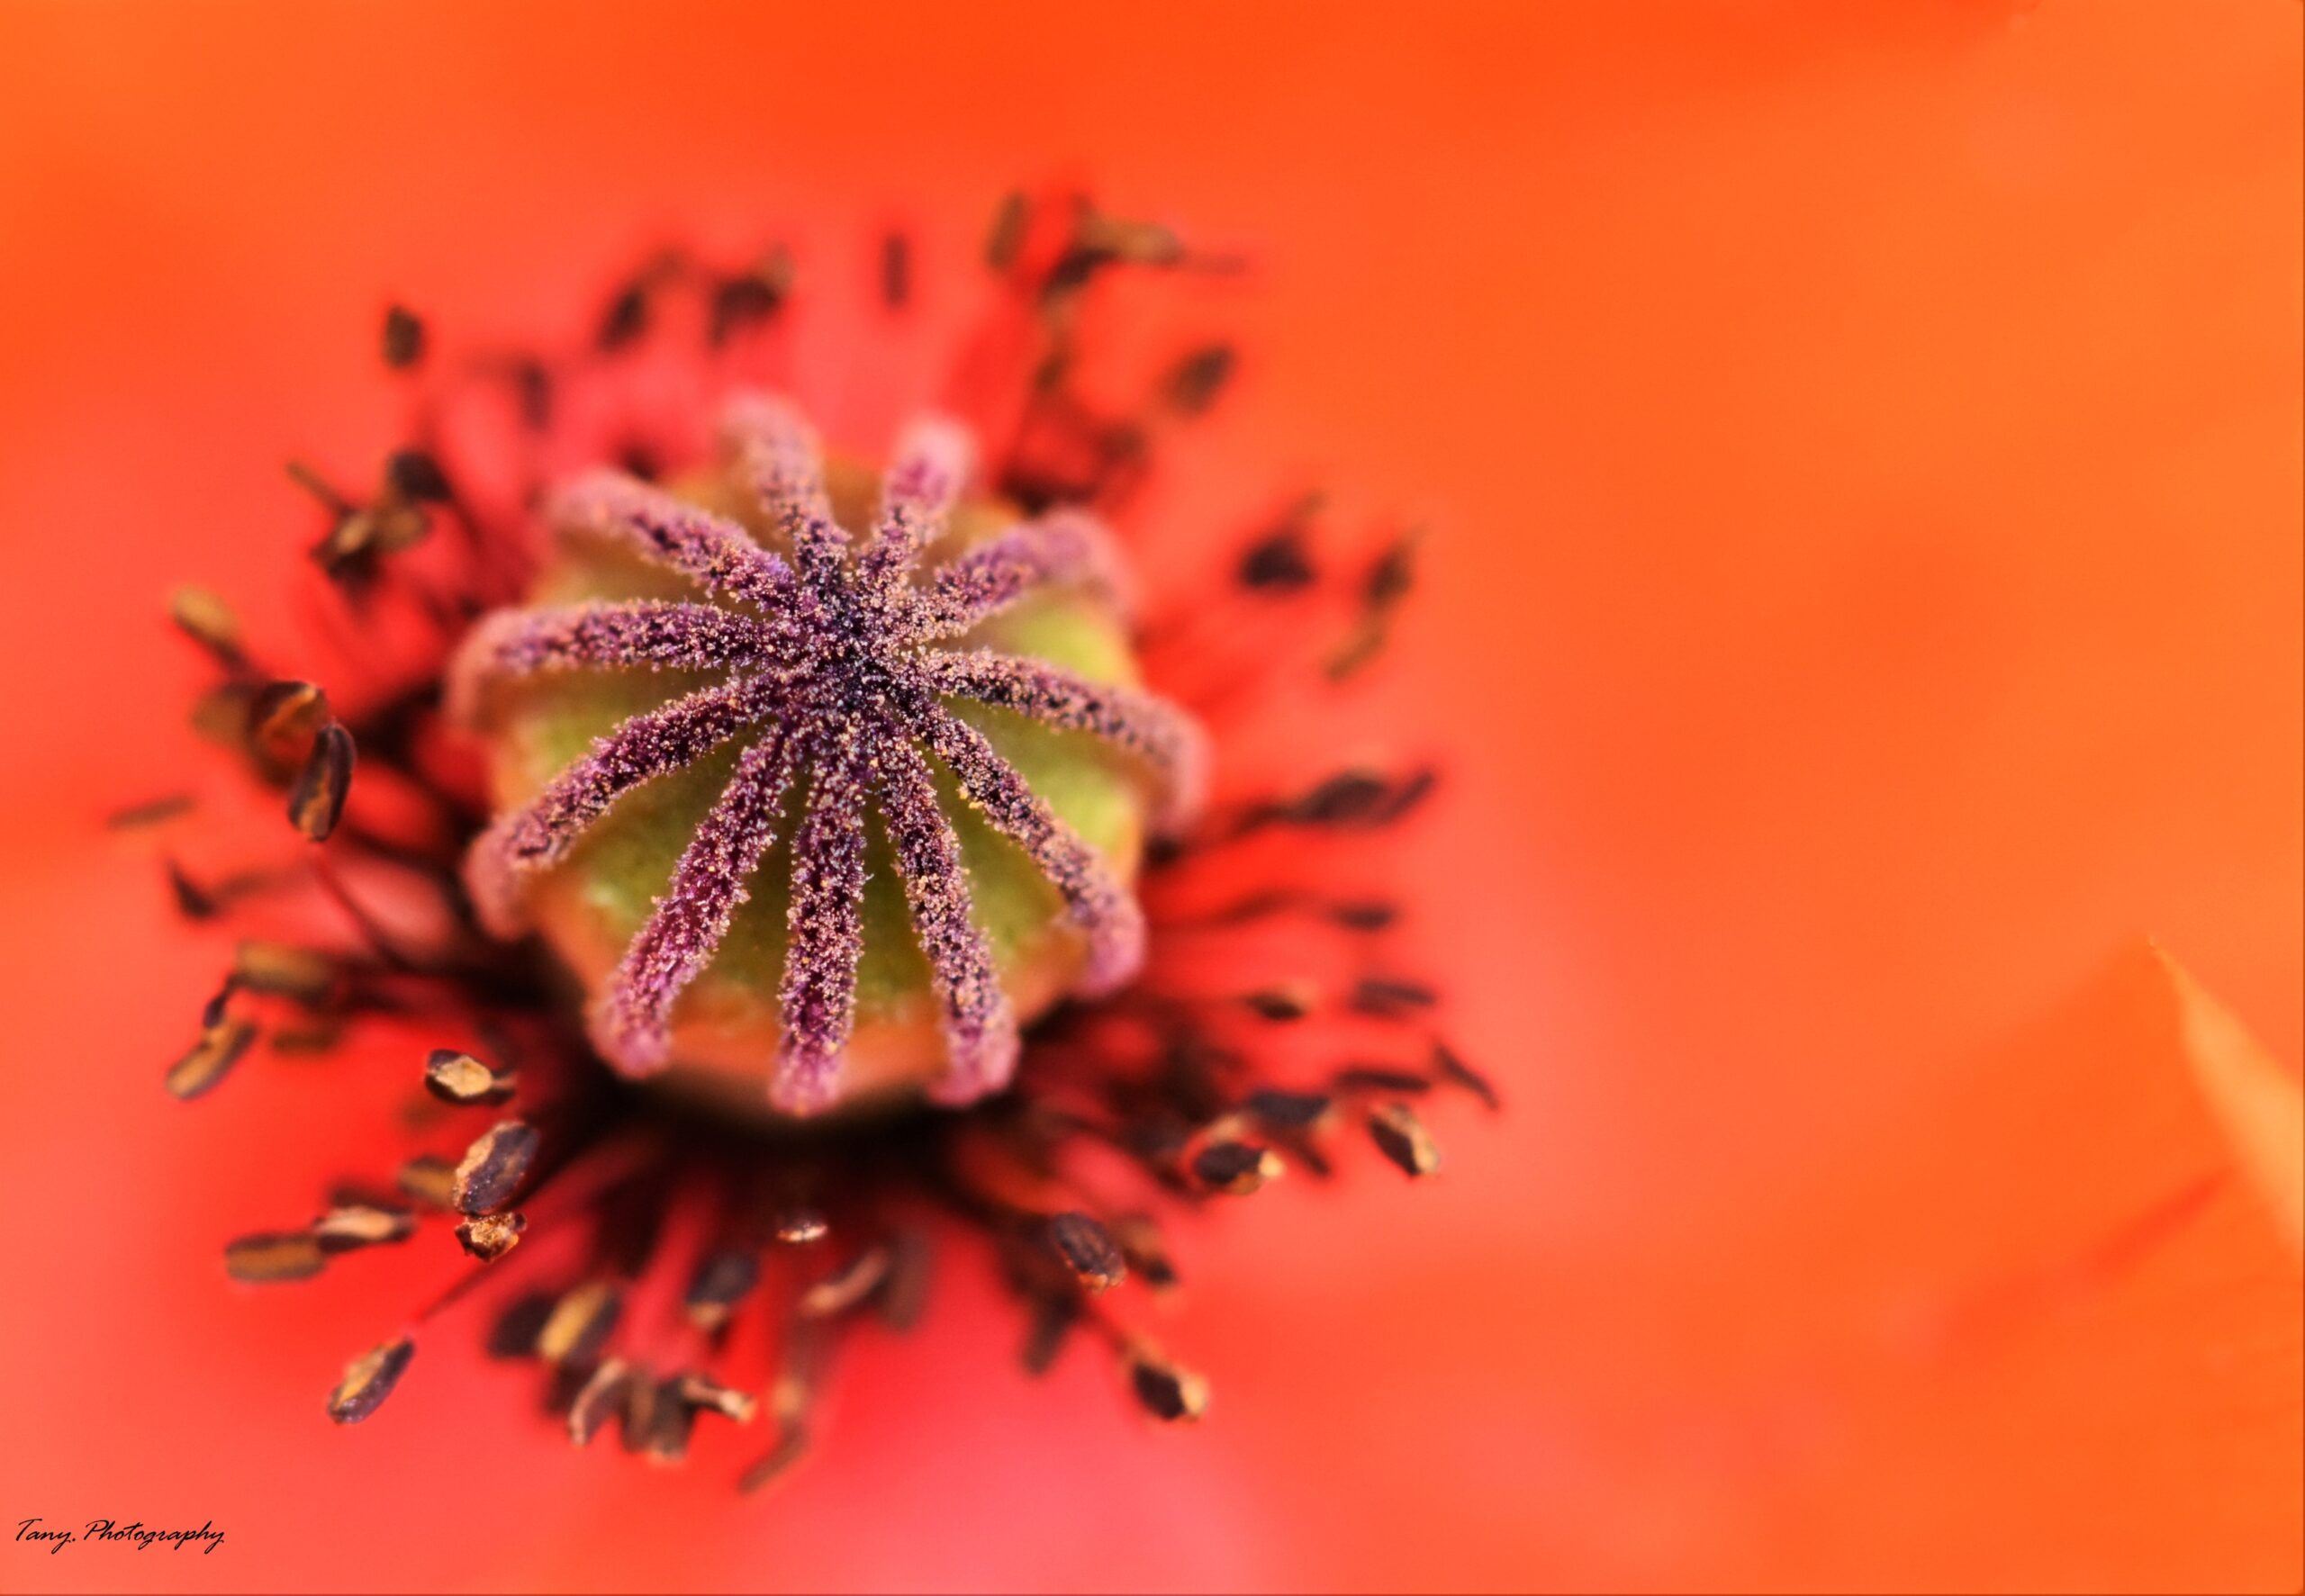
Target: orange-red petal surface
1863, 444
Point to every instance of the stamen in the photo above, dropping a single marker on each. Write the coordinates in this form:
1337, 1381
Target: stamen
429, 1178
580, 1323
156, 811
494, 1167
602, 1396
1456, 1071
221, 1042
1391, 998
1288, 1111
462, 1079
209, 621
845, 1287
316, 803
490, 1236
370, 1380
285, 971
350, 1226
1401, 1137
722, 1280
1089, 1250
1235, 1167
404, 337
706, 1394
904, 1293
1197, 379
1380, 1077
273, 1256
1167, 1390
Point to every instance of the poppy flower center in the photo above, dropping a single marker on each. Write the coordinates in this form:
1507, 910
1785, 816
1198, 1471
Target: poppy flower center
818, 820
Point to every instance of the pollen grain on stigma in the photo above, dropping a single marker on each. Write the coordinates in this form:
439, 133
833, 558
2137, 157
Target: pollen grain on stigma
838, 664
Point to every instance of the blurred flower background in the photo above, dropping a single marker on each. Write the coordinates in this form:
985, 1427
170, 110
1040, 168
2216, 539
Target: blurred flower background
1863, 445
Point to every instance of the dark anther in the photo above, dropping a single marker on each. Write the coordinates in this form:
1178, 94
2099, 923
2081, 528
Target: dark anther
845, 1287
460, 1078
1364, 914
1278, 562
350, 1226
1054, 1317
749, 297
626, 320
1198, 378
896, 271
404, 337
1380, 1077
1280, 1004
1285, 1111
490, 1236
211, 1057
671, 1420
1400, 1136
905, 1292
580, 1323
637, 459
205, 619
532, 392
370, 1380
1411, 792
1141, 1244
1007, 236
1121, 239
150, 812
723, 1278
1167, 1392
1457, 1072
601, 1398
429, 1180
1088, 1250
705, 1394
1391, 574
791, 1445
494, 1167
513, 1333
1341, 799
1238, 1168
316, 803
283, 970
1388, 997
416, 474
194, 901
273, 1254
283, 717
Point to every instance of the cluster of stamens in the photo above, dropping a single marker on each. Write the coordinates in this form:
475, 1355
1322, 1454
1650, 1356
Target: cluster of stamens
665, 1264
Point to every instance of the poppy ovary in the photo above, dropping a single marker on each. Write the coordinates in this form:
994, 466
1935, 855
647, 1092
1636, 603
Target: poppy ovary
825, 818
